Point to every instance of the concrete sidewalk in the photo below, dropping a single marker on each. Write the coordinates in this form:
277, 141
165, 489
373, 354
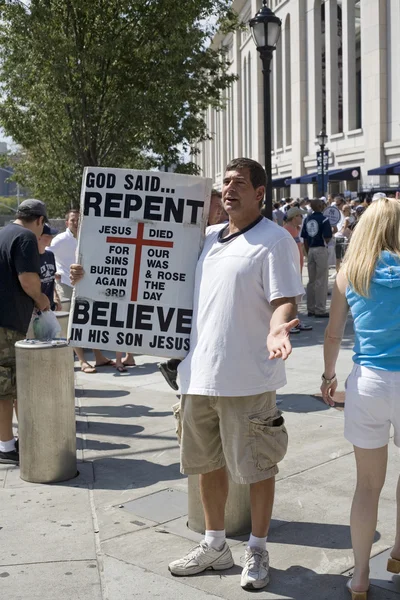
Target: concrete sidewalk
110, 533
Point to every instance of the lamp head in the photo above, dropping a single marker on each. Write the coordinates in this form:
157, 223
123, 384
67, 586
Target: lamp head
265, 28
322, 138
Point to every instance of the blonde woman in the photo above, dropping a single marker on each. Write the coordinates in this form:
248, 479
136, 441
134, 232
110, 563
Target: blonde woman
369, 284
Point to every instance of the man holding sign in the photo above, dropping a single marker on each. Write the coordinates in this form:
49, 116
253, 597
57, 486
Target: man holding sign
246, 289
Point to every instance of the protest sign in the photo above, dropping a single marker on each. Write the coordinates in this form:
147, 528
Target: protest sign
139, 240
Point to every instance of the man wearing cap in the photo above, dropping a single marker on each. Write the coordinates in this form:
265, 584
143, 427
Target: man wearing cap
20, 291
316, 234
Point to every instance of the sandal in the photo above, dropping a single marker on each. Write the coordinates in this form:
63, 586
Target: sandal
121, 369
393, 565
129, 364
356, 595
110, 363
88, 368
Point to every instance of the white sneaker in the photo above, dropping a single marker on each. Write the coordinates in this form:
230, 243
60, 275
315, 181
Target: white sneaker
255, 572
201, 558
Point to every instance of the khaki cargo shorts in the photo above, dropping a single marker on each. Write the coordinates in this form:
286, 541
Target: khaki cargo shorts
8, 338
246, 434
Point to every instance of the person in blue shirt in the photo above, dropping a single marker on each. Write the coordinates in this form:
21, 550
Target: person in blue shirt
48, 267
316, 234
369, 285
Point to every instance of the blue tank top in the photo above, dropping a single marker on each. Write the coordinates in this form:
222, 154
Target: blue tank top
377, 318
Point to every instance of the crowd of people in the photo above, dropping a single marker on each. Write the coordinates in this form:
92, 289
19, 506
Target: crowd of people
248, 284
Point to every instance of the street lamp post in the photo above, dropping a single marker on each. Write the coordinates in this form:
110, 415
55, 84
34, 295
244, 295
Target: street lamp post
322, 141
266, 30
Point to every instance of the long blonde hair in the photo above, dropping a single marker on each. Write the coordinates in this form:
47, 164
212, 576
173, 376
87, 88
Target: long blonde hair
378, 229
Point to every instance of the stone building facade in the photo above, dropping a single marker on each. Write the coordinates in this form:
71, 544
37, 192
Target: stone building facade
336, 66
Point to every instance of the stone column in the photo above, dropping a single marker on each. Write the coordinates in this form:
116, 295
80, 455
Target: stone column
314, 49
237, 96
285, 74
277, 72
331, 66
212, 144
349, 65
257, 96
298, 16
393, 19
224, 139
374, 80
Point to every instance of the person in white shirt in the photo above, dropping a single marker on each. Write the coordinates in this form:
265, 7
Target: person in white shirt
64, 247
246, 289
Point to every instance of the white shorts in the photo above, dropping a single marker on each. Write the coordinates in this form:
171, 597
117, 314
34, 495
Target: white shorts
372, 404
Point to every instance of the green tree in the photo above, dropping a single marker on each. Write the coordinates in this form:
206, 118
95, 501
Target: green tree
121, 83
8, 205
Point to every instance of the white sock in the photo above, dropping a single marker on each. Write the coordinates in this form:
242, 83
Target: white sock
215, 539
7, 446
255, 542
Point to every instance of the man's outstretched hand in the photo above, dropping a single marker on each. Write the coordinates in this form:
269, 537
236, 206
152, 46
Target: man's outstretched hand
278, 340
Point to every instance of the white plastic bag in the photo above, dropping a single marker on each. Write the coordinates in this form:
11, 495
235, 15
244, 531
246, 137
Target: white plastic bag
46, 326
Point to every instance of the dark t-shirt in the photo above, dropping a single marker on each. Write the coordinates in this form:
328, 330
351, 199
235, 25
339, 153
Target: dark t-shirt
47, 275
316, 229
18, 254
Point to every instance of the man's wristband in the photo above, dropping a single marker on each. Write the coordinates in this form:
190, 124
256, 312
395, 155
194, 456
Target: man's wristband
328, 381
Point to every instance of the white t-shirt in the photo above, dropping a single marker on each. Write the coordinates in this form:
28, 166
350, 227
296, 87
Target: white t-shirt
236, 279
340, 224
64, 247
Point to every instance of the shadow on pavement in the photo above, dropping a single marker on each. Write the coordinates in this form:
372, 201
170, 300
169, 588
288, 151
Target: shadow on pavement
125, 411
129, 473
114, 429
314, 535
85, 393
300, 403
105, 446
294, 583
300, 583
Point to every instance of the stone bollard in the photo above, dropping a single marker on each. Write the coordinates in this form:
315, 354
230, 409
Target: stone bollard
46, 411
62, 318
237, 512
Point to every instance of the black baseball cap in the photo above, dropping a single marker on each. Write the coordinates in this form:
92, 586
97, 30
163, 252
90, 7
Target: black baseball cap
33, 208
47, 230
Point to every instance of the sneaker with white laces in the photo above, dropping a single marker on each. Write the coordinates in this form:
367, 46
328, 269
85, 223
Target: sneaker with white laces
255, 572
201, 558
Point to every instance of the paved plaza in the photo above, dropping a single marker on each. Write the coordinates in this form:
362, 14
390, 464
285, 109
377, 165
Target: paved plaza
110, 533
